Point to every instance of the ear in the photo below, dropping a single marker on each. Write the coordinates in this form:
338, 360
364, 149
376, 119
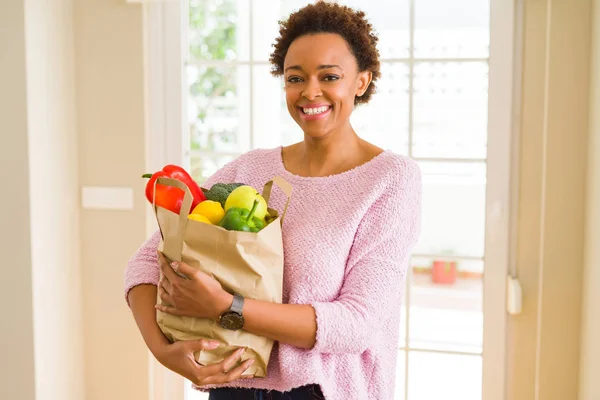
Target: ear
362, 82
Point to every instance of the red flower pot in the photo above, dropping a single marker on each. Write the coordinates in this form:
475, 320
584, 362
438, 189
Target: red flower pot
443, 272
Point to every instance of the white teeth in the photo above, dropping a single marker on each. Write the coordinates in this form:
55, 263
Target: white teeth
314, 111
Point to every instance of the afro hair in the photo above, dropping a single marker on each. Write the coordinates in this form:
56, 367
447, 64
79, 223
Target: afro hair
327, 17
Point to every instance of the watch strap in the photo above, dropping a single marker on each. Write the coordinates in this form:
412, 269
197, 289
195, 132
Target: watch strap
238, 304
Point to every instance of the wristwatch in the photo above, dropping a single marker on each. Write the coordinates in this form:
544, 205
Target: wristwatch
233, 319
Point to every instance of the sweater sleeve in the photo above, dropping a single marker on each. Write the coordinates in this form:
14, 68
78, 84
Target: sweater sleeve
142, 267
375, 271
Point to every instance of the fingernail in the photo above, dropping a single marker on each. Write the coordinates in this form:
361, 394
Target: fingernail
213, 345
241, 352
250, 362
174, 264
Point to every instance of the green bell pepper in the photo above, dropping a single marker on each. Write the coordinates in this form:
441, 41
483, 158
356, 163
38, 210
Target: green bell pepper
240, 219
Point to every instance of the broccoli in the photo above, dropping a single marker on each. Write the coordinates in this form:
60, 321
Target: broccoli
220, 191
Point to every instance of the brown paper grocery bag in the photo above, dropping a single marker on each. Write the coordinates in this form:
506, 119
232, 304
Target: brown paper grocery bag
247, 263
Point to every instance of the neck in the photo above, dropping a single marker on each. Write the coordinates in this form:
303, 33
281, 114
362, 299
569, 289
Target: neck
323, 156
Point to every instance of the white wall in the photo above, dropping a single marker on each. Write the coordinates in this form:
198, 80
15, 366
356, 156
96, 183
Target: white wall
111, 145
53, 164
16, 341
71, 114
590, 346
42, 341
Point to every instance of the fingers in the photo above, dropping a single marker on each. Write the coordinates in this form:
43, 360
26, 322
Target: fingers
164, 296
223, 372
205, 344
165, 285
238, 373
170, 310
166, 269
177, 271
186, 270
224, 366
232, 375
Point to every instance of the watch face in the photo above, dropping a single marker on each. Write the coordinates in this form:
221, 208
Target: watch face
232, 321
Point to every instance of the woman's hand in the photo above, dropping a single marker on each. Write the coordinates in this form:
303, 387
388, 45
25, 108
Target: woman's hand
195, 295
179, 358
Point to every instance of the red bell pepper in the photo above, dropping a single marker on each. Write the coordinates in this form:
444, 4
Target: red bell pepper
169, 197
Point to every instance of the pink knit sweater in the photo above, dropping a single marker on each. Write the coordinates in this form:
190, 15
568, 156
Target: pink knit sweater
347, 242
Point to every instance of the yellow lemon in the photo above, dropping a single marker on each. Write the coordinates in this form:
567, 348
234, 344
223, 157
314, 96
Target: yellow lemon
243, 197
211, 210
199, 218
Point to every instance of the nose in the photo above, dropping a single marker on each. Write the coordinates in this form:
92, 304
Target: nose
312, 89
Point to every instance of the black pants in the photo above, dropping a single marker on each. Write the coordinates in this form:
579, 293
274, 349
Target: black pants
310, 392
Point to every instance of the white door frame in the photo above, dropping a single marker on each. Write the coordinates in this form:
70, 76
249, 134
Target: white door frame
164, 118
502, 188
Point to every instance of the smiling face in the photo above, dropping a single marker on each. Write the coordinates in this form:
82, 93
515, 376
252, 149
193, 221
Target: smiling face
321, 81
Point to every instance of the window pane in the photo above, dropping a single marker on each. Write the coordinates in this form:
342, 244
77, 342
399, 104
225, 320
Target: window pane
390, 18
444, 376
218, 30
450, 110
453, 216
384, 120
446, 300
272, 123
399, 390
452, 29
265, 27
203, 166
218, 108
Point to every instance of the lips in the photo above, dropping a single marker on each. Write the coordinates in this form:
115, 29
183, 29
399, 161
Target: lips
311, 112
315, 110
314, 113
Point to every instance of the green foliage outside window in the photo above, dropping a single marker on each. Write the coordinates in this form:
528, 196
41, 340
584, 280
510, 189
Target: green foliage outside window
212, 36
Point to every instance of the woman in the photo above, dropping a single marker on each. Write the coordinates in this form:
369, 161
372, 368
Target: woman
352, 222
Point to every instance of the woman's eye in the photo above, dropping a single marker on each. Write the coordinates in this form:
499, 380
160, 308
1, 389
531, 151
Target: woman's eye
331, 78
294, 79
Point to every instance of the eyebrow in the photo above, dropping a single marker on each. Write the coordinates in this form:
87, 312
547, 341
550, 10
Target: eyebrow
324, 66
